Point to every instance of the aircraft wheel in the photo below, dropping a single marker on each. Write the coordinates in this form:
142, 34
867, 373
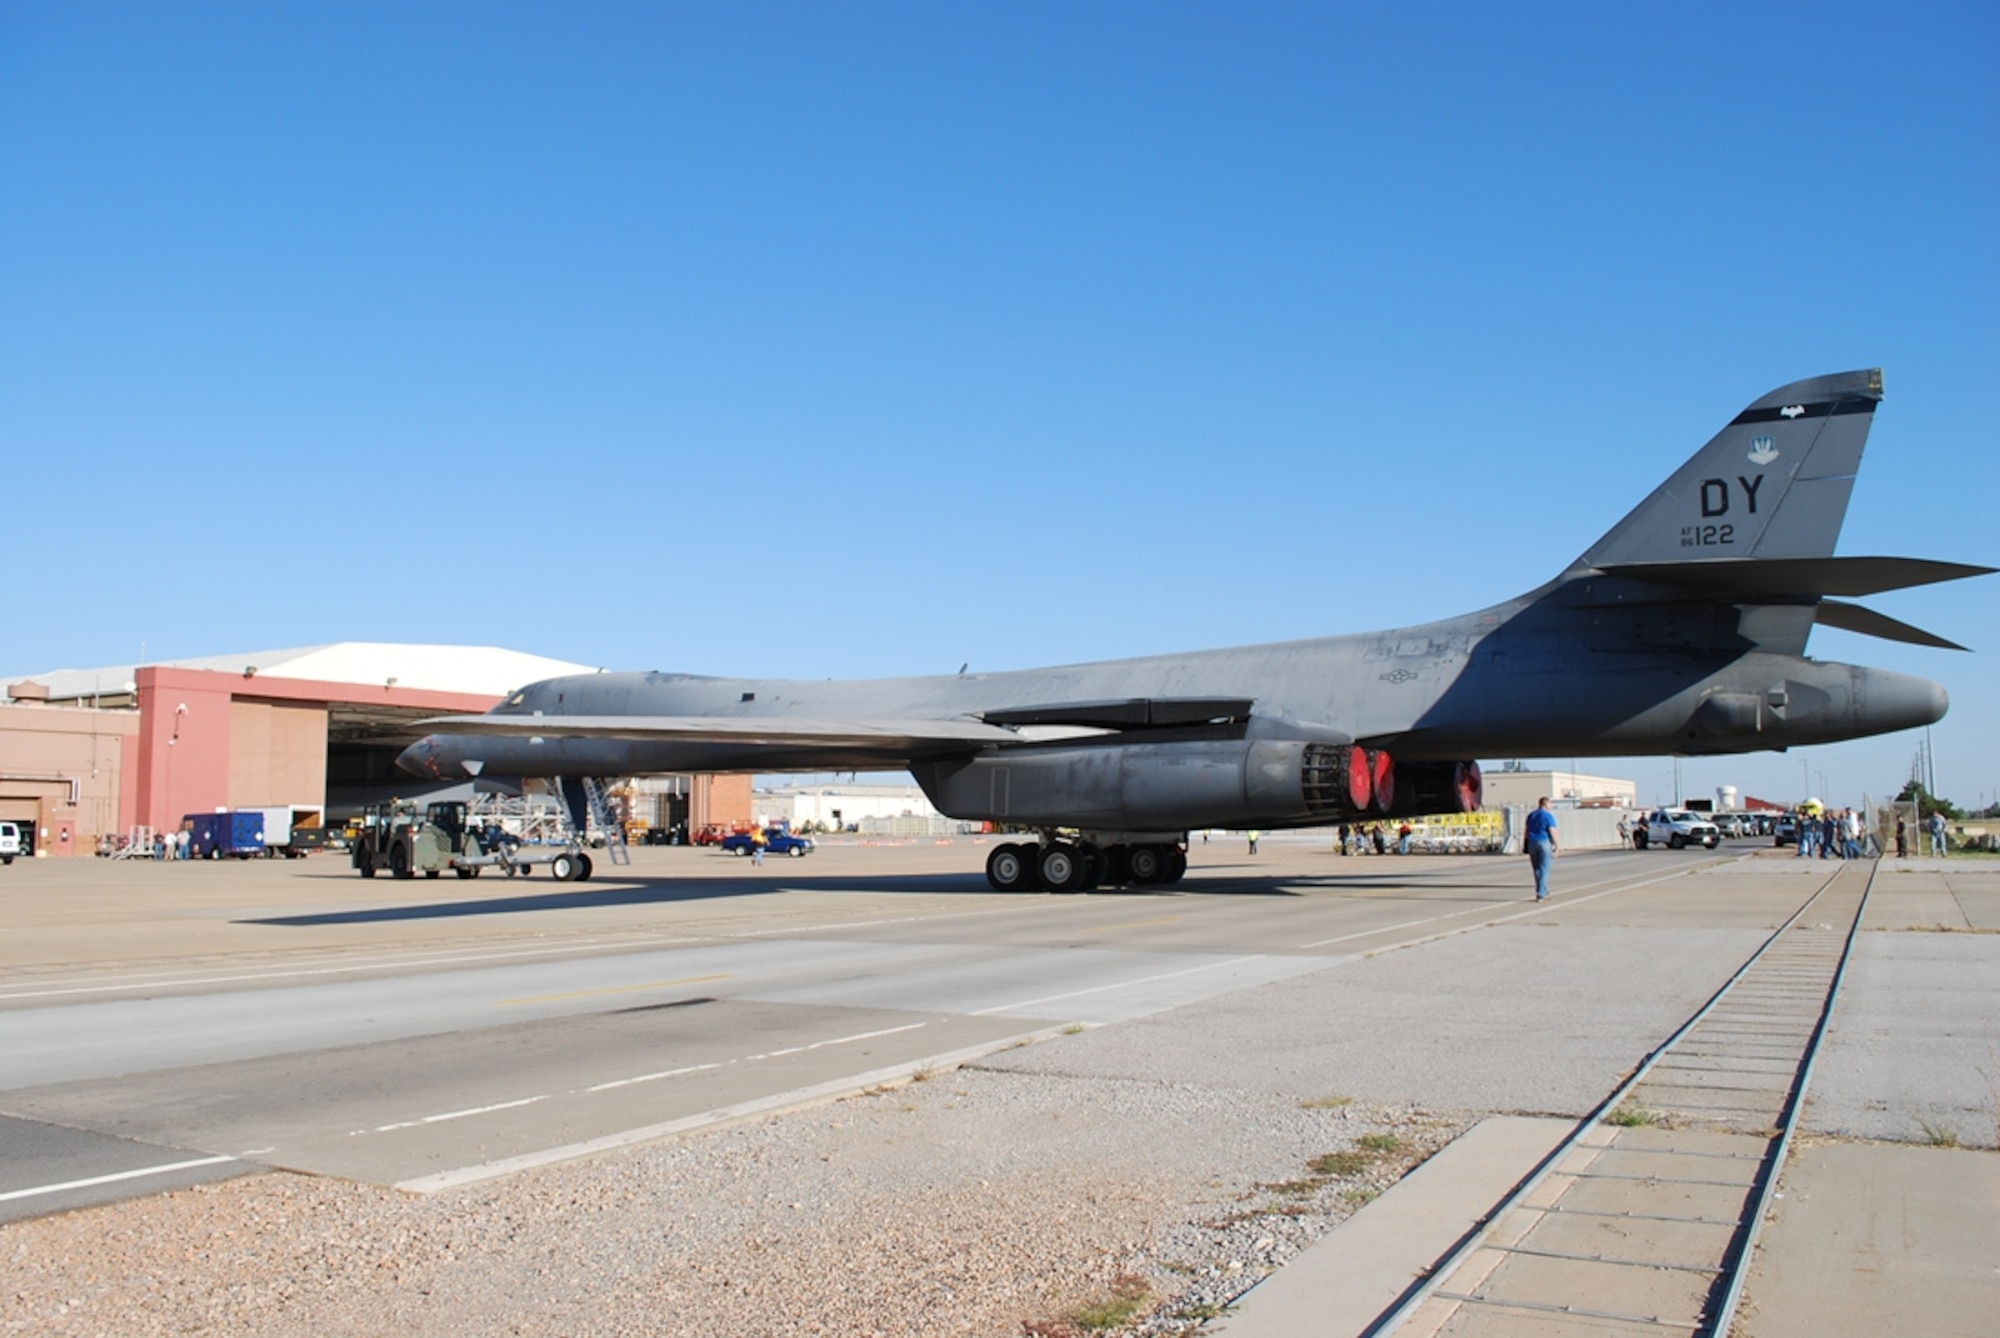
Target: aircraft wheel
1176, 864
563, 868
1063, 867
583, 875
1010, 868
1149, 864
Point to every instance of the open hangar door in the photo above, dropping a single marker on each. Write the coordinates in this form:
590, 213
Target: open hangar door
25, 814
362, 743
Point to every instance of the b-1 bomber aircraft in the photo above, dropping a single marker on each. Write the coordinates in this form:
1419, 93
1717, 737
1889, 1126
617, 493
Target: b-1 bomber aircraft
1682, 631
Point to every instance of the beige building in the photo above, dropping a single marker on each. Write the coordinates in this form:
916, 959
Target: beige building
1520, 789
62, 771
839, 806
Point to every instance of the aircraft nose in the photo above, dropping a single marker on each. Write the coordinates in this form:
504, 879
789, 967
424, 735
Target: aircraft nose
421, 758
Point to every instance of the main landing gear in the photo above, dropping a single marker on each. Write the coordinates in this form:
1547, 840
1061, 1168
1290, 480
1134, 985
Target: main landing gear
1078, 866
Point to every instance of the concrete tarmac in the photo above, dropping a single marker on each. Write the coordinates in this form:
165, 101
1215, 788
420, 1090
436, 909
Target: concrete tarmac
406, 1032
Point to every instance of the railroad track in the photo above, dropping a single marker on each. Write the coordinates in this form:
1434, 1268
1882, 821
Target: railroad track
1644, 1220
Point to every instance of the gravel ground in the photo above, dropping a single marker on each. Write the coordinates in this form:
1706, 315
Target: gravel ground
977, 1202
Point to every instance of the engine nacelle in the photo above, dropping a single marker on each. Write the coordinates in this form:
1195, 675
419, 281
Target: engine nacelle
1426, 789
1162, 786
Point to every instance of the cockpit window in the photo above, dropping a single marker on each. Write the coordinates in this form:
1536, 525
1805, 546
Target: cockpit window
517, 699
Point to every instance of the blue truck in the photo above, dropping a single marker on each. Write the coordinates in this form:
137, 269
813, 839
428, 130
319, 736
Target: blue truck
220, 835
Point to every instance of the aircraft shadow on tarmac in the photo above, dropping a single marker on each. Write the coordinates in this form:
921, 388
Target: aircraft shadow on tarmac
662, 891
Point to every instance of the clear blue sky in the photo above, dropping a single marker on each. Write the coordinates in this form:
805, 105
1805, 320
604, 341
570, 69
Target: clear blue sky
827, 340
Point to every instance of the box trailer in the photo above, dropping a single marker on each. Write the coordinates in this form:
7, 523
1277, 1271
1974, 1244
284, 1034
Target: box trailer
218, 835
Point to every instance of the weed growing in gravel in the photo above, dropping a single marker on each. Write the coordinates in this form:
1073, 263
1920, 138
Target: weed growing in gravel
1630, 1116
1355, 1196
1338, 1165
1128, 1296
1073, 1029
1325, 1102
1295, 1188
924, 1074
1383, 1143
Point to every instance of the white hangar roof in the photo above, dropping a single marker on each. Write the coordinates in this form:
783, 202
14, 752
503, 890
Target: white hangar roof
489, 670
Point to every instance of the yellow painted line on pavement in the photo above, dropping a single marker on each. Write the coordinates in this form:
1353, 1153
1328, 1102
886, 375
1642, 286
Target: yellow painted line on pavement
612, 989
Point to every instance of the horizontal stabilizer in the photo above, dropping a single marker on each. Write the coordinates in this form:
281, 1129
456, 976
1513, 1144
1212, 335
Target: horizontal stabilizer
1129, 713
908, 735
1854, 618
1806, 577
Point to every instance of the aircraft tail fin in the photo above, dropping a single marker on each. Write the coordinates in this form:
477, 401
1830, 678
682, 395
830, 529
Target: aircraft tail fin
1774, 483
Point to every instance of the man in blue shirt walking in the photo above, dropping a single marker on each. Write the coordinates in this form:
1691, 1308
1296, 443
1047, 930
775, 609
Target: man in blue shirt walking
1541, 845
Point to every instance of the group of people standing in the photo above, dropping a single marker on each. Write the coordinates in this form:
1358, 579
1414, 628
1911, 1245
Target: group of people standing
1361, 840
1935, 827
1839, 834
1834, 834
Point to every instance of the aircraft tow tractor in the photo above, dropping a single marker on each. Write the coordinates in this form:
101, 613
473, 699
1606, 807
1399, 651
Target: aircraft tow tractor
405, 841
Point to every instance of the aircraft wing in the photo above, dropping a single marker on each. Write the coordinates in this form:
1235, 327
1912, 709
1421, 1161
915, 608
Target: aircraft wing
913, 736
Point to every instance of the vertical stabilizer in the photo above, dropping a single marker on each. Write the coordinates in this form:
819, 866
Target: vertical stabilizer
1774, 483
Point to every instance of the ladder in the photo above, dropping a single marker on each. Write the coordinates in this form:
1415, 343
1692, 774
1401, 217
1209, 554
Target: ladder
607, 822
138, 844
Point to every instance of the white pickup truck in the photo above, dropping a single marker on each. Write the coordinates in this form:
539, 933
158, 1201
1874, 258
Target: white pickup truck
1675, 828
10, 842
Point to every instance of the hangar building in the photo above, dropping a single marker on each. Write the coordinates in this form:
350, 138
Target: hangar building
87, 754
